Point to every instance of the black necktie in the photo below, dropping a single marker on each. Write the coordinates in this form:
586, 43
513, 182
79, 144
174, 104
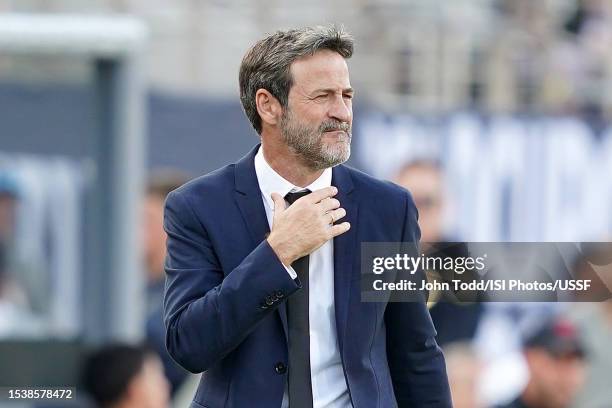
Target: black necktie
300, 388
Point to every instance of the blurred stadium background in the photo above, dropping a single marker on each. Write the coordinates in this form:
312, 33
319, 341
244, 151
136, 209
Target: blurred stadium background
505, 106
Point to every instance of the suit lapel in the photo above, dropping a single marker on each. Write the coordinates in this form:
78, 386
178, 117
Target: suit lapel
248, 197
344, 245
249, 200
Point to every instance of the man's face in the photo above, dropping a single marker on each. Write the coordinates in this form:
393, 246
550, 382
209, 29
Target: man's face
317, 122
557, 378
425, 184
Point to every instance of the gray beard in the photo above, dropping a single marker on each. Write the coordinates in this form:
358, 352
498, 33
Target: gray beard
306, 142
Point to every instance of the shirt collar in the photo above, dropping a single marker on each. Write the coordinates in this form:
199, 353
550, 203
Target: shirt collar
272, 182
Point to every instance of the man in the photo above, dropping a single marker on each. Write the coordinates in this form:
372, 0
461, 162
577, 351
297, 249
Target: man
555, 360
161, 182
125, 376
17, 316
263, 296
425, 180
455, 313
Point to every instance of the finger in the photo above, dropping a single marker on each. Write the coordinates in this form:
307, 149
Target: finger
339, 229
279, 203
329, 204
321, 194
337, 214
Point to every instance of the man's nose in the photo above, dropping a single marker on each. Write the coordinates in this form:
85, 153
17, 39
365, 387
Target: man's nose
341, 110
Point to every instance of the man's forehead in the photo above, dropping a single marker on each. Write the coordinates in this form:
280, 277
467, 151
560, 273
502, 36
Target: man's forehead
323, 70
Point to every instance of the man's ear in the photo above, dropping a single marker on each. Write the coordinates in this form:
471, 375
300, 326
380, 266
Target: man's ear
268, 107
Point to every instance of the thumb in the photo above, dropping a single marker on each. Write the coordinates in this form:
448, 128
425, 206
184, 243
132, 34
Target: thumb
279, 204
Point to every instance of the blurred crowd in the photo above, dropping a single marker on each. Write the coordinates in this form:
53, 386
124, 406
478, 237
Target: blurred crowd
530, 354
544, 61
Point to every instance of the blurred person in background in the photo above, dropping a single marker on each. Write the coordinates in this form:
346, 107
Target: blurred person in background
16, 316
455, 315
161, 182
554, 355
9, 193
125, 376
463, 370
594, 264
593, 316
9, 196
425, 181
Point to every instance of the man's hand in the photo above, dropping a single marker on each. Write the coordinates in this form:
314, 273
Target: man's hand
306, 225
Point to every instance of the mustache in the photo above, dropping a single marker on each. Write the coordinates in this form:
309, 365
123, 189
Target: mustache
331, 125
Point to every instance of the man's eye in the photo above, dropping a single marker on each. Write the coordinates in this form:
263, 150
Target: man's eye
348, 96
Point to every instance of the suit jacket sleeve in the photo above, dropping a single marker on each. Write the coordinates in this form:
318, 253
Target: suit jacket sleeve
207, 312
416, 363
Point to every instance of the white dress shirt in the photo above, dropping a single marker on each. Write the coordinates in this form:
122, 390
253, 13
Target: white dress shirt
329, 387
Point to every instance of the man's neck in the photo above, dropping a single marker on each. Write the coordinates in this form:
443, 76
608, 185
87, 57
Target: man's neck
289, 165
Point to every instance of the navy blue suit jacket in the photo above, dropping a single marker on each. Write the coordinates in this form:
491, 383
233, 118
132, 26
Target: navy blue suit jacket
225, 289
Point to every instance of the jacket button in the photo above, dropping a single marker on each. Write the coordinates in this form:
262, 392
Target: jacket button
269, 301
280, 368
279, 294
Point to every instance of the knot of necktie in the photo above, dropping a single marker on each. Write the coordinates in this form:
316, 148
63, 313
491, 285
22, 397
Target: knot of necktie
293, 197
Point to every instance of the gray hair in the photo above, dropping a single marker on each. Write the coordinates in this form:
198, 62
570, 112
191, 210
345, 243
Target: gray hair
267, 63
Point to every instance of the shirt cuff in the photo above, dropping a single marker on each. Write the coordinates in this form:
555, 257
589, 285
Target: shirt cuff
291, 272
